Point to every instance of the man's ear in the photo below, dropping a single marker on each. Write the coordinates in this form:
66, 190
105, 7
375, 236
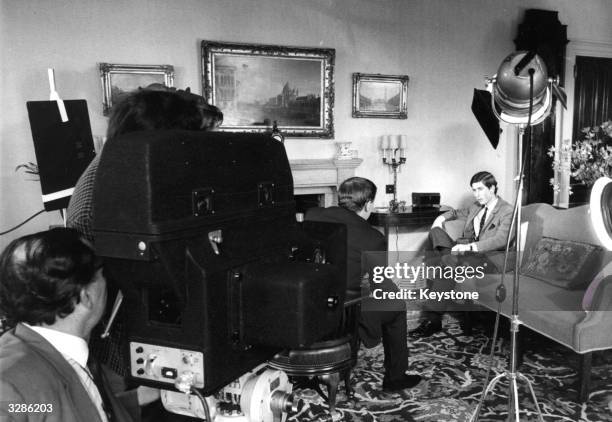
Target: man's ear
85, 297
369, 206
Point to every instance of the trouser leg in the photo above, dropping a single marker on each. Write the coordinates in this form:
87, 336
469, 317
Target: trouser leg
394, 332
440, 240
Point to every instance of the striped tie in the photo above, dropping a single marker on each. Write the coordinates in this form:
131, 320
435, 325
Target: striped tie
87, 380
94, 368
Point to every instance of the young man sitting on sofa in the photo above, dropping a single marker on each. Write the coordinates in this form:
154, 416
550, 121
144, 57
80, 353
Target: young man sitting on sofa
486, 228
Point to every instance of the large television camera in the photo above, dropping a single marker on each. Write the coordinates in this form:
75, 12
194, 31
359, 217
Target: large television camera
199, 231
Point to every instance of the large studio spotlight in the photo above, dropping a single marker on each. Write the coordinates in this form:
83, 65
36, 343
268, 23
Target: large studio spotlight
507, 95
513, 92
521, 94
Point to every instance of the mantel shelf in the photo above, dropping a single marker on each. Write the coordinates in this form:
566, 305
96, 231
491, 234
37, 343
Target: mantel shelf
318, 164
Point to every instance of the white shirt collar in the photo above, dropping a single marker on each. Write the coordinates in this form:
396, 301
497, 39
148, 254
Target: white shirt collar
68, 345
491, 204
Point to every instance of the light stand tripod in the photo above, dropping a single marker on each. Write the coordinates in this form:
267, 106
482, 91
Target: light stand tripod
512, 374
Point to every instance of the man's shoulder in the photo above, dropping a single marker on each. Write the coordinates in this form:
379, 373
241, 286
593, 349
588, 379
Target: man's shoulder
80, 206
504, 205
317, 213
10, 342
376, 240
332, 215
25, 366
17, 357
86, 180
359, 230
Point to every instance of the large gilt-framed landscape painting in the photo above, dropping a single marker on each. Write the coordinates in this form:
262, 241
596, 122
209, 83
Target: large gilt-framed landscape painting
256, 86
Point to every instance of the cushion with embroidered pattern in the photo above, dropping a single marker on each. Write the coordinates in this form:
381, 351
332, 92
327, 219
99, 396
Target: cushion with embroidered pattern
564, 263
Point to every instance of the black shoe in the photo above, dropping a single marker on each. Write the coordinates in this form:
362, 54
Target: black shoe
407, 381
427, 328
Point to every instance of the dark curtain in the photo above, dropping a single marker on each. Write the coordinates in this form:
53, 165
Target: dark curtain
593, 93
592, 106
538, 170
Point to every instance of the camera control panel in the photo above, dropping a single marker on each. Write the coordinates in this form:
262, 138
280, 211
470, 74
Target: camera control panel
166, 364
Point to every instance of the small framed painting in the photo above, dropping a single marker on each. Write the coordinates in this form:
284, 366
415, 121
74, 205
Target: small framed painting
119, 79
382, 96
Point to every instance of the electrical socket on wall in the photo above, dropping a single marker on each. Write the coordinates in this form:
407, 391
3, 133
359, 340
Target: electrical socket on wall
389, 188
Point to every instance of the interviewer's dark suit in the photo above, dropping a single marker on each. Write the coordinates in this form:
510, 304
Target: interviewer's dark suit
390, 323
33, 371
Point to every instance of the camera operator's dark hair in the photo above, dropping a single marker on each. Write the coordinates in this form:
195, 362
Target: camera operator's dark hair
486, 178
150, 109
211, 116
42, 275
355, 192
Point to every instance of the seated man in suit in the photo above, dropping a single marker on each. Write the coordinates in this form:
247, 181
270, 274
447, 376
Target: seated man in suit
486, 228
54, 293
356, 202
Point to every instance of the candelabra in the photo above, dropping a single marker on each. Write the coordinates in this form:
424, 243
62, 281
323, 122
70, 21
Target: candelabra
392, 145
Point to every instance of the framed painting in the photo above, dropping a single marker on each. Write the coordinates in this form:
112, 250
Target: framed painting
119, 79
382, 96
258, 85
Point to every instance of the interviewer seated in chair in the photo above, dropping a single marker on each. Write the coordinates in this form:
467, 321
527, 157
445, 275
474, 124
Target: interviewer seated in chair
355, 204
54, 292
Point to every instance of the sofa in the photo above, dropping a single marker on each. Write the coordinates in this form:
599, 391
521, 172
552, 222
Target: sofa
568, 300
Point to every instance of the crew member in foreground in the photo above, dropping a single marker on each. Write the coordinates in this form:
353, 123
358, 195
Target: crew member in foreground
53, 293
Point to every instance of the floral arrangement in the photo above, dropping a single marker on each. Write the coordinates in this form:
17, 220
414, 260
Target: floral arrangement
588, 158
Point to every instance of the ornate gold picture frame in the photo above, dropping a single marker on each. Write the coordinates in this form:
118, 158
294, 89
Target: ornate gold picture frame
118, 79
257, 85
381, 96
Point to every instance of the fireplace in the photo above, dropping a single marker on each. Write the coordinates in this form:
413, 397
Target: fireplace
315, 181
305, 201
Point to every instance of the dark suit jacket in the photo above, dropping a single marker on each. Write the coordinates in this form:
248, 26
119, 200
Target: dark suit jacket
33, 371
495, 231
379, 318
361, 237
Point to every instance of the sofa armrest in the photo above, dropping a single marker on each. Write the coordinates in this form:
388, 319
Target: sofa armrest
597, 320
596, 295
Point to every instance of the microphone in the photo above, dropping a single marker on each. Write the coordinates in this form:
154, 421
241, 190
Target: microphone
116, 305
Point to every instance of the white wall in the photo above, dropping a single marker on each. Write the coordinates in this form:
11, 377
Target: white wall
445, 46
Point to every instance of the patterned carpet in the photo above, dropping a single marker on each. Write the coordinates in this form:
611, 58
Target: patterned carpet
454, 368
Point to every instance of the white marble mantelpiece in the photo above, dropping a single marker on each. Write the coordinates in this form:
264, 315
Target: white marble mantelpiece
321, 176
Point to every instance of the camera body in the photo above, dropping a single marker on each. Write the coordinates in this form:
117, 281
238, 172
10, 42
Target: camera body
198, 230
